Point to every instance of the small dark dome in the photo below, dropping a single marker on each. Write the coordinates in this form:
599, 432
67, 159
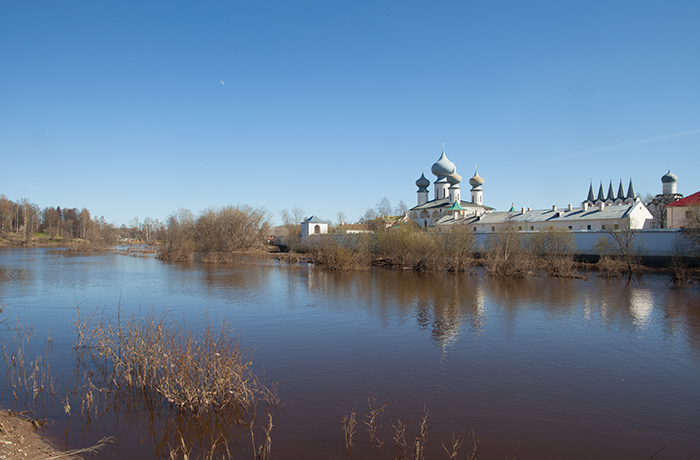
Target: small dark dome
669, 177
422, 182
476, 180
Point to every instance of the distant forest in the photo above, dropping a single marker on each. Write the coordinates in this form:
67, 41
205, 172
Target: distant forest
26, 219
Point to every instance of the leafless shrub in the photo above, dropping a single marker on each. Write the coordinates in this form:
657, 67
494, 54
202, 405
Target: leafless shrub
193, 372
619, 252
373, 423
349, 426
341, 252
455, 444
506, 254
232, 228
266, 448
177, 242
455, 249
408, 246
399, 437
422, 437
554, 249
476, 448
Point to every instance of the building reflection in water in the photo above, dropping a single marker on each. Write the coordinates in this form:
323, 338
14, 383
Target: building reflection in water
449, 305
441, 303
641, 306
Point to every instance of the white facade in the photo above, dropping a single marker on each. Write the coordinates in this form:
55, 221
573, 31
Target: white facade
597, 217
313, 226
684, 213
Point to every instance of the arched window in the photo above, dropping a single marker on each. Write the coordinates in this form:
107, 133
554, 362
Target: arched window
317, 229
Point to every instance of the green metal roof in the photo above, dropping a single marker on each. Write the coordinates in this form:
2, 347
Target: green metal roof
456, 207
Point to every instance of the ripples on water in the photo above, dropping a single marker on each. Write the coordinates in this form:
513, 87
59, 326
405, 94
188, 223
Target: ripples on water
542, 368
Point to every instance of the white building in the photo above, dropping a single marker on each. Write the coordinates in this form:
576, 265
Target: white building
604, 212
313, 226
682, 211
447, 193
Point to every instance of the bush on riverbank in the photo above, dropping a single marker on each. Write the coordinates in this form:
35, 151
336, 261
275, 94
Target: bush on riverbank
216, 233
341, 253
508, 255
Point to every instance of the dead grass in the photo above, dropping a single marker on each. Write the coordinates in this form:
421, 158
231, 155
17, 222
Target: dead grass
29, 377
194, 371
409, 437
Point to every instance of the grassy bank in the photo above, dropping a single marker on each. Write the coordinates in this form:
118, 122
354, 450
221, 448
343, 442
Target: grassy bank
11, 239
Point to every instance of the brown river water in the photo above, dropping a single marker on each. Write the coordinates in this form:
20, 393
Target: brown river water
535, 368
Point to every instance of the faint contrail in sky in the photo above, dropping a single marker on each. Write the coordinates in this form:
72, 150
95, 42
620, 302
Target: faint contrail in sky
628, 144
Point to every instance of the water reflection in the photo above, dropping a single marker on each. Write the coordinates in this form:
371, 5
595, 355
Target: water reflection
549, 363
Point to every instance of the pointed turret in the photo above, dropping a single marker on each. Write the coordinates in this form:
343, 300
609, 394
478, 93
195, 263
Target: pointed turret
601, 193
621, 192
611, 193
591, 195
631, 194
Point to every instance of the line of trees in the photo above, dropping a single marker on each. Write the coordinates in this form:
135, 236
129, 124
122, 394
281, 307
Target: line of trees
149, 230
26, 218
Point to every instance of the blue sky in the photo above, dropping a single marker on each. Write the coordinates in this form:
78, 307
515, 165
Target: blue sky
140, 108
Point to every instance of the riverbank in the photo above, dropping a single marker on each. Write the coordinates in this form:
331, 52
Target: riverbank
21, 437
18, 240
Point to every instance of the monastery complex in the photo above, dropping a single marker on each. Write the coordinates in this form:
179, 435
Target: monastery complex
601, 211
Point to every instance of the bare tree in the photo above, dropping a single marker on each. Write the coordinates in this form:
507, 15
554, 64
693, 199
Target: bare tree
341, 217
401, 208
506, 254
621, 245
83, 222
369, 215
30, 213
383, 207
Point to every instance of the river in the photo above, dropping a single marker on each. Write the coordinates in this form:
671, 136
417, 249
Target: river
536, 368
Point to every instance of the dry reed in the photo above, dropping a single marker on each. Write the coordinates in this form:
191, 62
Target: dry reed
455, 444
349, 426
373, 422
193, 372
30, 380
422, 436
399, 437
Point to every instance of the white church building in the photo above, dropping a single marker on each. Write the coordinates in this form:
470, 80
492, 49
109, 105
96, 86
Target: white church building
447, 198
